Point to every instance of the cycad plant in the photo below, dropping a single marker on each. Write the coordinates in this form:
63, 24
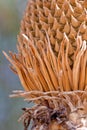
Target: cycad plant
52, 64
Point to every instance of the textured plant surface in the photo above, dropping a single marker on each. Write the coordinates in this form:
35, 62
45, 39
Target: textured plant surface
52, 63
55, 110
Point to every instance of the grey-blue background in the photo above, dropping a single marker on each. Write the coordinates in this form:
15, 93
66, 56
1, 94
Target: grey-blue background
11, 12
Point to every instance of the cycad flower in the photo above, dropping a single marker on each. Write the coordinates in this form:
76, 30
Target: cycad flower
52, 64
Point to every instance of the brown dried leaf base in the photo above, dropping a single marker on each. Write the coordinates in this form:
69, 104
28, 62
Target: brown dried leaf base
55, 110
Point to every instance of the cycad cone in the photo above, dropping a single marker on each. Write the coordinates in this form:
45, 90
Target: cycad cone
52, 63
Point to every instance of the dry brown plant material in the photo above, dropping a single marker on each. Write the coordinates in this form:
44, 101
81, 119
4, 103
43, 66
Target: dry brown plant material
52, 61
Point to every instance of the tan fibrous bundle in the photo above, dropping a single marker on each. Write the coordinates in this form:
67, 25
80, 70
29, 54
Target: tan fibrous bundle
55, 110
52, 57
52, 50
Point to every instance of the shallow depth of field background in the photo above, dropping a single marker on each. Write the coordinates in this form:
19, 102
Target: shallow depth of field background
11, 12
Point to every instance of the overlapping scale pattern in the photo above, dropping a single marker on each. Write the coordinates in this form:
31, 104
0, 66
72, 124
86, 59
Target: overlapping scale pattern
52, 64
56, 17
52, 49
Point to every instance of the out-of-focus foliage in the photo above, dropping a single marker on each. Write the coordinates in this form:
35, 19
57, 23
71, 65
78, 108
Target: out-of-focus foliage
10, 14
10, 109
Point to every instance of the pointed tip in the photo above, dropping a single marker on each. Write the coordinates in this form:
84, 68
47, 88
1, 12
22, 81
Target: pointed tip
4, 53
65, 36
84, 46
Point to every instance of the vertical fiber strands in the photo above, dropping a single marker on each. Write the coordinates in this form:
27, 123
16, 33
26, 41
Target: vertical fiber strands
52, 64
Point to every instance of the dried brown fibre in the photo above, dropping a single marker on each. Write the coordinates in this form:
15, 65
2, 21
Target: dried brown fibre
39, 69
52, 63
61, 111
37, 62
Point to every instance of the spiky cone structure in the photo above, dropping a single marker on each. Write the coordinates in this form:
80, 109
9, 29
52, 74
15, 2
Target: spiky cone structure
52, 64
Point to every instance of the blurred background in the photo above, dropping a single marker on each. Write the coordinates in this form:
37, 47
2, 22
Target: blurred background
11, 12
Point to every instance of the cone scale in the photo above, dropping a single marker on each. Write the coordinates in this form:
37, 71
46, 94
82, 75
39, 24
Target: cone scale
52, 64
